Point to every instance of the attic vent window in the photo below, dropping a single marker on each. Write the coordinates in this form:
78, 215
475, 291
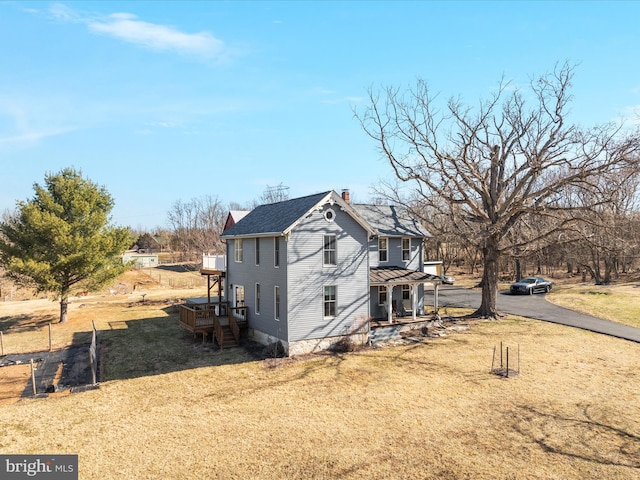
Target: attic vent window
329, 215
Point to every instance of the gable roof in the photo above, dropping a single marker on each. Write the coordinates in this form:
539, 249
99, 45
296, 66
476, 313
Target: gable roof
279, 218
233, 217
391, 221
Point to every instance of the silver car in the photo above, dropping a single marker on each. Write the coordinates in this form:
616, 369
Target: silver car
531, 285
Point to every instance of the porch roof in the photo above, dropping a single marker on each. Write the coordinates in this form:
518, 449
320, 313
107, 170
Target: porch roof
399, 276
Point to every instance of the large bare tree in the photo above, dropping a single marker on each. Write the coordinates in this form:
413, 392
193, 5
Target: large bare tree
197, 225
490, 167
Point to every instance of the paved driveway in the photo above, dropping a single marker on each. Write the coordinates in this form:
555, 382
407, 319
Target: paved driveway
537, 307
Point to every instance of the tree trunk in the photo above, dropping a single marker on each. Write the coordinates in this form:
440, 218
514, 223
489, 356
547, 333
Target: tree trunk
518, 269
489, 281
64, 303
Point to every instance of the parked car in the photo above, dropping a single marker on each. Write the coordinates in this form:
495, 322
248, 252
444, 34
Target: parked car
531, 285
447, 280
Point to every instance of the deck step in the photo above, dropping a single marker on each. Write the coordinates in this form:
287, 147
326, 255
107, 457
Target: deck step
229, 339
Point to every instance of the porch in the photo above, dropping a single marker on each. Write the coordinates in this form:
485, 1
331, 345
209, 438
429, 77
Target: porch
218, 318
410, 306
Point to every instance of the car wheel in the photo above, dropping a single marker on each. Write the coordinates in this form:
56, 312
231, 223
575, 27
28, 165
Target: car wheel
531, 291
547, 289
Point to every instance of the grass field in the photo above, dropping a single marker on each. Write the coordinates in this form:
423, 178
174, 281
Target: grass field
169, 407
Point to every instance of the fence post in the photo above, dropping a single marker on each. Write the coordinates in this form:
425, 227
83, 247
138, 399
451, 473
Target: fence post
93, 354
33, 379
507, 362
50, 342
2, 344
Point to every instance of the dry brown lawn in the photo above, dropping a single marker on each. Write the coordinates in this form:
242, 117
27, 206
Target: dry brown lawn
618, 302
169, 407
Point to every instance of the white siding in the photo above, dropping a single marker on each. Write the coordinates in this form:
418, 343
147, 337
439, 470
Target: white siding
307, 276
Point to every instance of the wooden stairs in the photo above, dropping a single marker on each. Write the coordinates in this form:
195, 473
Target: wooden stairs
228, 340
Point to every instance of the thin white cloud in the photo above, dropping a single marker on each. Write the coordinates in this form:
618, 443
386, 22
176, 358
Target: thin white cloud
22, 124
336, 101
33, 136
129, 28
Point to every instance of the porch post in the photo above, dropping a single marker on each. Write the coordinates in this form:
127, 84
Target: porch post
436, 286
390, 303
414, 298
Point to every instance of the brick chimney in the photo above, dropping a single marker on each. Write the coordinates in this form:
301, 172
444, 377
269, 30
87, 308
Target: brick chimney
345, 195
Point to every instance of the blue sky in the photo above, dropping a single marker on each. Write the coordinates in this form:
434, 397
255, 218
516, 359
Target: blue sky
160, 101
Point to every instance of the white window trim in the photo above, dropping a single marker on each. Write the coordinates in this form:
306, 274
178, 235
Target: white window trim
408, 259
406, 288
239, 288
386, 250
238, 250
258, 299
335, 243
335, 301
382, 288
276, 302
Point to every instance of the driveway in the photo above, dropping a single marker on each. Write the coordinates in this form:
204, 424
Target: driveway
537, 307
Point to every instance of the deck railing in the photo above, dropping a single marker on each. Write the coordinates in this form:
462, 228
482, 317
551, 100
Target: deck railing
237, 317
197, 320
204, 320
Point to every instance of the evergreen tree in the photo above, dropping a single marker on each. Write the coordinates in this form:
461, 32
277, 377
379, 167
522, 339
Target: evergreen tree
61, 240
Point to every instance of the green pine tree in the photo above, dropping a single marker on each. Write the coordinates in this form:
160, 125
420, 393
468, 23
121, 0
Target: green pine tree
61, 241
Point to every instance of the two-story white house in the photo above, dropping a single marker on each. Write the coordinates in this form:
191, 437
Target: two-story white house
311, 270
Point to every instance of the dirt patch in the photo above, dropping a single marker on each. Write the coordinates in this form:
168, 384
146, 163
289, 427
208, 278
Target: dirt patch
60, 371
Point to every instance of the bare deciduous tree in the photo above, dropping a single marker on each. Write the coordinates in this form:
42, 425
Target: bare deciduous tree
197, 225
511, 157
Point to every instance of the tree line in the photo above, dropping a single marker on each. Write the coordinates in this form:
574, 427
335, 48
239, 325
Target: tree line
509, 185
511, 178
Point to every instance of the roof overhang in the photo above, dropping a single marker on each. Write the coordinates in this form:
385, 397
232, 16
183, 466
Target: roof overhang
400, 276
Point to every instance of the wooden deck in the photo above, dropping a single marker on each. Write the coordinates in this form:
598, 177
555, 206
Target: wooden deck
225, 323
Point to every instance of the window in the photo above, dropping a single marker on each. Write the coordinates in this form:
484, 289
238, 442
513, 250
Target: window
239, 296
277, 302
276, 251
330, 301
257, 251
238, 244
329, 250
382, 249
382, 295
406, 292
257, 299
406, 249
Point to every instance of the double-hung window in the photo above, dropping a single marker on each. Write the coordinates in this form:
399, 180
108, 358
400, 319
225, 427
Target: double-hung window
276, 305
257, 299
406, 292
383, 249
258, 251
382, 295
238, 252
330, 301
276, 251
329, 250
406, 249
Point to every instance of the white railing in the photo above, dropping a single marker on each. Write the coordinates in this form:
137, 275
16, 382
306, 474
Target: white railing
214, 262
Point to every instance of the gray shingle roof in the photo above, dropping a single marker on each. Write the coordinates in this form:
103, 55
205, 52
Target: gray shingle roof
390, 220
274, 218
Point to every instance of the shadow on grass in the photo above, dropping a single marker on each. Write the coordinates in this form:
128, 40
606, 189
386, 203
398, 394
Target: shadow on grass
181, 268
25, 322
579, 436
